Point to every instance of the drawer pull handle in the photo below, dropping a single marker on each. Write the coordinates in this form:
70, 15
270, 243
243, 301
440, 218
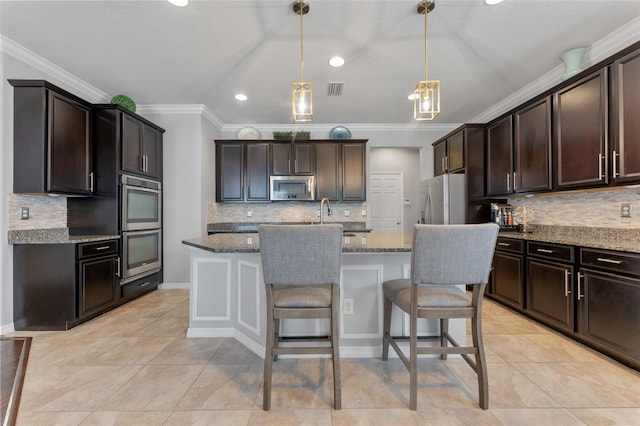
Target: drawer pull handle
504, 244
616, 262
545, 251
101, 248
144, 284
567, 292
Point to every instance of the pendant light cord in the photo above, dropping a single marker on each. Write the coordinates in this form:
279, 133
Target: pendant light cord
426, 63
301, 45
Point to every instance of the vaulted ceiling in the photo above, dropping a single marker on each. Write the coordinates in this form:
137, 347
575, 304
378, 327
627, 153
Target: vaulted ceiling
207, 52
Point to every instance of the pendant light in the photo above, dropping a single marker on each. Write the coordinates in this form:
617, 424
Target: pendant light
301, 94
426, 99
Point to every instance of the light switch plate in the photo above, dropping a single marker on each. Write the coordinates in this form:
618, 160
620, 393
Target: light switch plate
347, 213
249, 213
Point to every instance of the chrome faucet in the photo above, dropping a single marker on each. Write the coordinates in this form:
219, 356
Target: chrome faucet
322, 209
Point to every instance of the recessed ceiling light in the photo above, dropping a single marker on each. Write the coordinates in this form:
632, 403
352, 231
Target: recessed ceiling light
179, 3
413, 97
492, 2
336, 61
241, 97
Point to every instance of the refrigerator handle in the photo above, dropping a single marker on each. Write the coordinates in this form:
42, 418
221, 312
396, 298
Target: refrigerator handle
427, 213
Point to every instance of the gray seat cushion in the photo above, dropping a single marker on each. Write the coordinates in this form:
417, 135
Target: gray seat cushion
399, 292
306, 296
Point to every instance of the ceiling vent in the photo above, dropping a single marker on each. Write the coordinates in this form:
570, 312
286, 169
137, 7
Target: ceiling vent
335, 88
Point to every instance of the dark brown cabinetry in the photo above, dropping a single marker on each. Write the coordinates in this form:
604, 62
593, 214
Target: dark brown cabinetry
141, 147
52, 140
242, 171
507, 283
354, 179
500, 157
608, 297
292, 159
625, 126
532, 147
328, 171
57, 286
448, 154
550, 284
580, 117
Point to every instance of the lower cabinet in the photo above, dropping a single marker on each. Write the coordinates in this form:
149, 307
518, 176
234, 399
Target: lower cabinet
57, 286
507, 283
550, 289
591, 295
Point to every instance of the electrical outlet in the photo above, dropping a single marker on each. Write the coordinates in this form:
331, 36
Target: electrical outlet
347, 240
249, 213
347, 306
24, 213
347, 213
363, 212
625, 210
249, 240
317, 213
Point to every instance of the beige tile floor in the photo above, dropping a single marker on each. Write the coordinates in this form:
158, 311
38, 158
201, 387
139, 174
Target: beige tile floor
135, 366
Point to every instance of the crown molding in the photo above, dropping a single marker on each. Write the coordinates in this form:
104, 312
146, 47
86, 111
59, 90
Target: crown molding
376, 127
70, 81
598, 51
198, 109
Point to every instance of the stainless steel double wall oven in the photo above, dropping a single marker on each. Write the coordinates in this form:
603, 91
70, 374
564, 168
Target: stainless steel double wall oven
141, 227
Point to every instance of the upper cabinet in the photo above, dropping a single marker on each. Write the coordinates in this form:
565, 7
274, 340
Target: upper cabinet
625, 122
354, 171
328, 171
500, 157
292, 158
448, 154
52, 140
141, 147
532, 147
580, 118
242, 171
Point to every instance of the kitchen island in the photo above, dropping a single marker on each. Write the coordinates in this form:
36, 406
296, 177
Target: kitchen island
228, 298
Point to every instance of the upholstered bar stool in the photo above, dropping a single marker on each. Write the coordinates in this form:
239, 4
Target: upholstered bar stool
301, 270
444, 259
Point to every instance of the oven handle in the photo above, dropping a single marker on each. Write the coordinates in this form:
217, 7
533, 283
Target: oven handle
118, 267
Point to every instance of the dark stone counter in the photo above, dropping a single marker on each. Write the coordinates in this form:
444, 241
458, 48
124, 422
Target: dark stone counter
53, 236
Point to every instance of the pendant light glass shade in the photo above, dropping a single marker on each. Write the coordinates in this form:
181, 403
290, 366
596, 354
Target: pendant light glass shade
301, 93
426, 100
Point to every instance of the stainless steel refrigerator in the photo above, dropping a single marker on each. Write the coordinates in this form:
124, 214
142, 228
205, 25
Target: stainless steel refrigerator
444, 199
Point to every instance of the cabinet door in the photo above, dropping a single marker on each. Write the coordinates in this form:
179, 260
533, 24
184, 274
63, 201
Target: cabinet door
98, 285
440, 158
303, 154
353, 172
499, 157
152, 152
609, 314
281, 159
69, 156
580, 115
257, 172
532, 145
550, 293
132, 134
229, 172
474, 161
455, 152
625, 126
507, 285
328, 171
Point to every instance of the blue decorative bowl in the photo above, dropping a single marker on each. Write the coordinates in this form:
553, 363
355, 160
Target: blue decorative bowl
340, 132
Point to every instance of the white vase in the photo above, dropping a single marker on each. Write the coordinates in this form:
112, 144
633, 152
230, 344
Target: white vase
572, 60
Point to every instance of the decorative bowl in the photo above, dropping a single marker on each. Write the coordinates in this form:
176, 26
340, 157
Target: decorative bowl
340, 132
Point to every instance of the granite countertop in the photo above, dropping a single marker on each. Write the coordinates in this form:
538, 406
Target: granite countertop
249, 243
252, 227
604, 238
53, 236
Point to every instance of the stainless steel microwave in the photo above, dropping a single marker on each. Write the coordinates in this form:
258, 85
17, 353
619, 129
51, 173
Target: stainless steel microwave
292, 188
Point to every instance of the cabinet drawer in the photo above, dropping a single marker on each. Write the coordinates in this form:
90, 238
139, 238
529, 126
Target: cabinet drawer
97, 248
550, 251
510, 245
611, 260
140, 286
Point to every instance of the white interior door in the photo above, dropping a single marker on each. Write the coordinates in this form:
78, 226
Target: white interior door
385, 201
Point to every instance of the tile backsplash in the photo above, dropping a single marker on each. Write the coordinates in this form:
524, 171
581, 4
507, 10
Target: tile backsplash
44, 212
289, 211
592, 209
